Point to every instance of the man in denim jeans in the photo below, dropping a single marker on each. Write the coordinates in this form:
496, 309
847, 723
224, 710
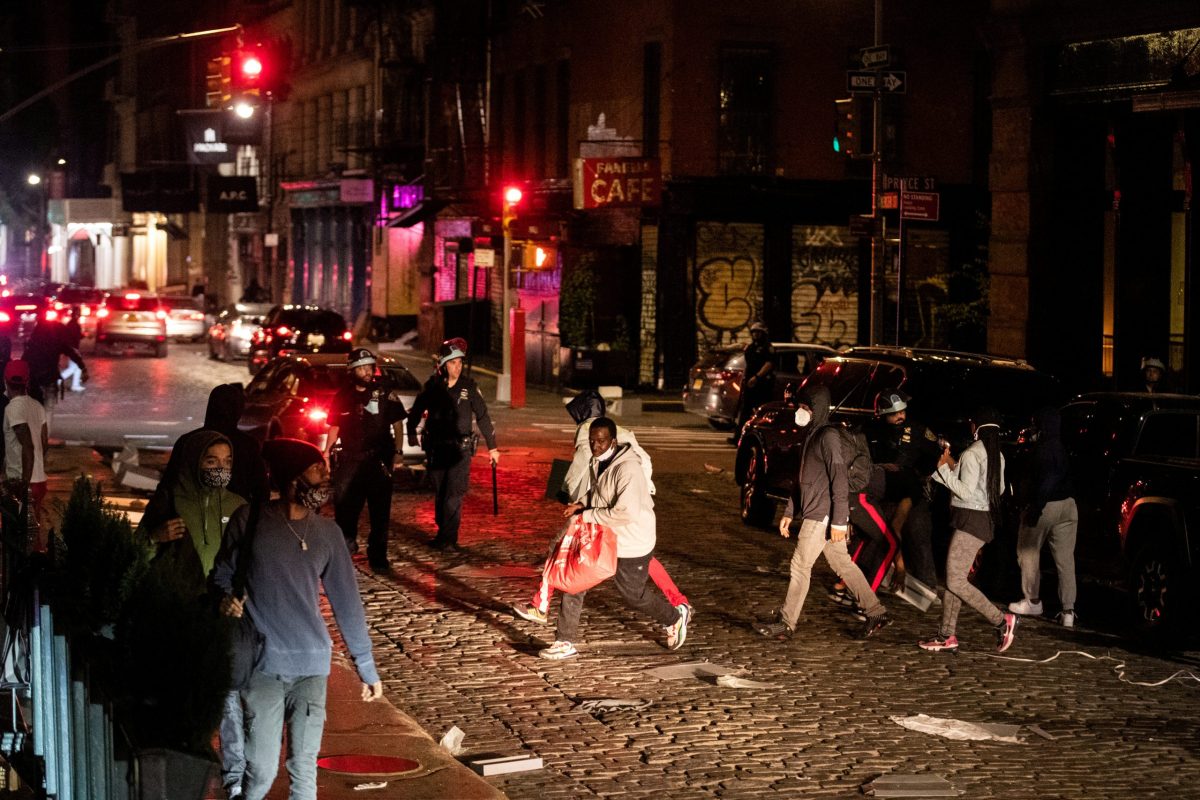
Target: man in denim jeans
294, 552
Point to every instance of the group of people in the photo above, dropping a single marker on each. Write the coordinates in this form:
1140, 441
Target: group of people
243, 523
890, 517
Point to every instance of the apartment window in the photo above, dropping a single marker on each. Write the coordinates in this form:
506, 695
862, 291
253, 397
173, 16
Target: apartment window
746, 94
540, 112
562, 120
651, 98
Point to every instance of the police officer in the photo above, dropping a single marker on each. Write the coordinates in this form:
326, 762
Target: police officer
757, 378
908, 453
450, 400
361, 418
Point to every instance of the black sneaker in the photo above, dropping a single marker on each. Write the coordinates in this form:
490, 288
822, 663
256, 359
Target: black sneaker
773, 630
873, 626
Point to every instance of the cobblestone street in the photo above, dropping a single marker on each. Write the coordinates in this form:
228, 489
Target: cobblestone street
451, 654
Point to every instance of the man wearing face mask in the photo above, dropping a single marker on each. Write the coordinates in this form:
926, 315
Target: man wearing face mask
820, 497
452, 404
362, 417
295, 555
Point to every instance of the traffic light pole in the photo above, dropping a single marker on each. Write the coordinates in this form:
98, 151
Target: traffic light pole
504, 382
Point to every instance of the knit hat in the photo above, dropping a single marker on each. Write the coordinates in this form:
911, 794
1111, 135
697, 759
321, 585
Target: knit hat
360, 357
288, 458
450, 350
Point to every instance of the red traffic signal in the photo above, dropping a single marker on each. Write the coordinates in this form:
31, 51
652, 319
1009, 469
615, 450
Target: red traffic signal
512, 195
250, 71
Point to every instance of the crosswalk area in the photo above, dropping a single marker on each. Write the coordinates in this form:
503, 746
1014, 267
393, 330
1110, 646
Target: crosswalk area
653, 437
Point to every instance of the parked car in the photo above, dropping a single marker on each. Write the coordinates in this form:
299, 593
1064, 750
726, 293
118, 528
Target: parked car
185, 317
291, 396
714, 385
132, 318
298, 329
946, 387
231, 331
83, 300
1135, 460
19, 313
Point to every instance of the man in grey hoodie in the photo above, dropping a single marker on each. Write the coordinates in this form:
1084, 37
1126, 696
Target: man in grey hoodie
620, 499
822, 496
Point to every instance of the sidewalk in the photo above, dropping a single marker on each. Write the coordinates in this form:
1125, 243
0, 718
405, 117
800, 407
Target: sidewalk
352, 726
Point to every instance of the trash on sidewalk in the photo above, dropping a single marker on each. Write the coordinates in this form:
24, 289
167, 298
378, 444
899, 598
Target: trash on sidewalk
135, 477
916, 593
505, 764
911, 786
127, 456
960, 730
361, 787
735, 682
610, 705
698, 491
452, 741
692, 669
712, 468
493, 571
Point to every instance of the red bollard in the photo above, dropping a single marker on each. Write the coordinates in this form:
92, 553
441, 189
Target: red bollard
517, 338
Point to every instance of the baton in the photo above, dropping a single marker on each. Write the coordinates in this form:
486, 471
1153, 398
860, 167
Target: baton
495, 495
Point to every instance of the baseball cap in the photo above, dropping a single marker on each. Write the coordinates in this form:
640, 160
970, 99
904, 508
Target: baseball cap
16, 371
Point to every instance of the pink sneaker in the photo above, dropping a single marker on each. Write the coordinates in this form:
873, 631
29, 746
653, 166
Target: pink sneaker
1006, 631
940, 643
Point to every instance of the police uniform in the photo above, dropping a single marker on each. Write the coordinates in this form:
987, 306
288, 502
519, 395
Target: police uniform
449, 442
362, 471
756, 354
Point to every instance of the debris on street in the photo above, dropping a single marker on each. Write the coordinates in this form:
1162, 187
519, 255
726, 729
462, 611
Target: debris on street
452, 741
735, 682
911, 786
505, 765
608, 705
692, 669
959, 729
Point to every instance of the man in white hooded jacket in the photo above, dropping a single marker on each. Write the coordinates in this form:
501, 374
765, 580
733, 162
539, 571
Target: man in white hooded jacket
620, 499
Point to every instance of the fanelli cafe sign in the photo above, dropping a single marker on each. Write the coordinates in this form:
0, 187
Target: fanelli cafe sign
617, 182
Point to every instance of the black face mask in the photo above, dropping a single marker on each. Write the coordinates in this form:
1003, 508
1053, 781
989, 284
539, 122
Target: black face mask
313, 496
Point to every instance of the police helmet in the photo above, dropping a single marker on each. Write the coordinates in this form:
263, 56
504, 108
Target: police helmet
450, 350
890, 402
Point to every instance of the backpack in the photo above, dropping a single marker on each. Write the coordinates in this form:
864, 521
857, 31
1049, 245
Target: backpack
857, 455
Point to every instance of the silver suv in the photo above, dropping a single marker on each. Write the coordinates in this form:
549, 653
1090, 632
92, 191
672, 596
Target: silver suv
132, 318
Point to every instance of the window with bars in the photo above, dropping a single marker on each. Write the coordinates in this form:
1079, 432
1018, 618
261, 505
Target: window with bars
746, 110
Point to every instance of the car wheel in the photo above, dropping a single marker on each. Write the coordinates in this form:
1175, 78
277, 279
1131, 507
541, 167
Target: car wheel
160, 349
1158, 594
720, 424
757, 508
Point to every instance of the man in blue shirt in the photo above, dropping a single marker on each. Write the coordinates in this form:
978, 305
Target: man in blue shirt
293, 552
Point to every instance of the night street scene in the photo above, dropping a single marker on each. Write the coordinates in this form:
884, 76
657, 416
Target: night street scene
557, 399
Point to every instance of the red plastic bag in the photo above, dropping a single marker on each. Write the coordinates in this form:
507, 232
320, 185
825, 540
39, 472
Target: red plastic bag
586, 555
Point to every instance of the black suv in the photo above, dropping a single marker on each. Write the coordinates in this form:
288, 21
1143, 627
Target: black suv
946, 387
298, 329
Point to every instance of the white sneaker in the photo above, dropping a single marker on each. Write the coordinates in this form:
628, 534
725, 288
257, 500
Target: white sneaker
677, 632
558, 651
1066, 619
1026, 608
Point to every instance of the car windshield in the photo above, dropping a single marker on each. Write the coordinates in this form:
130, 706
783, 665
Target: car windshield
187, 303
72, 296
132, 302
329, 323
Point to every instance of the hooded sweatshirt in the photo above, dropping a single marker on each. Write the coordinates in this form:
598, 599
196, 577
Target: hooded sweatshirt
578, 479
820, 491
225, 405
205, 512
1049, 477
620, 499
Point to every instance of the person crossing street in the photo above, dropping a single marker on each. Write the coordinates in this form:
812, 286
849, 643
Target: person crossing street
362, 417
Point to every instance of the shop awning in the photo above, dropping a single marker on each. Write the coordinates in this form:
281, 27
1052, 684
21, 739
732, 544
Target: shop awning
418, 213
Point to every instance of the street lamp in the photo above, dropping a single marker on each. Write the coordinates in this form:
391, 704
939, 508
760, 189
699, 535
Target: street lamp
35, 180
512, 199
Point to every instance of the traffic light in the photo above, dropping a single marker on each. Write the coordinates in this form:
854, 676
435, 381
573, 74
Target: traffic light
249, 71
848, 135
217, 82
512, 199
539, 257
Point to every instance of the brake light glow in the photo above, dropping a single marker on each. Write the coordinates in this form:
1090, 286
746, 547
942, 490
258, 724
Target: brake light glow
160, 314
283, 330
317, 415
102, 312
85, 311
133, 296
4, 317
347, 335
58, 306
51, 315
25, 307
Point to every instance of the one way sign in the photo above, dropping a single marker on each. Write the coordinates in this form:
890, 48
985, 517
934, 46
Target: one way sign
867, 81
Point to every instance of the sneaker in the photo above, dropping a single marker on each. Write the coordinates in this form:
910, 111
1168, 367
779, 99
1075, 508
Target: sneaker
858, 613
939, 643
1006, 631
773, 630
1066, 619
558, 651
677, 633
842, 596
874, 625
1026, 608
529, 612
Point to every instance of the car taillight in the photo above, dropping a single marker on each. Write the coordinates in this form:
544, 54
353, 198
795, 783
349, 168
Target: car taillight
26, 307
58, 306
133, 296
196, 315
85, 311
317, 415
347, 335
283, 330
51, 315
102, 312
160, 314
4, 317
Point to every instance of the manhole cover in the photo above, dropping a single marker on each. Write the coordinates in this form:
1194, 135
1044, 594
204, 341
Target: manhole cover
368, 765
